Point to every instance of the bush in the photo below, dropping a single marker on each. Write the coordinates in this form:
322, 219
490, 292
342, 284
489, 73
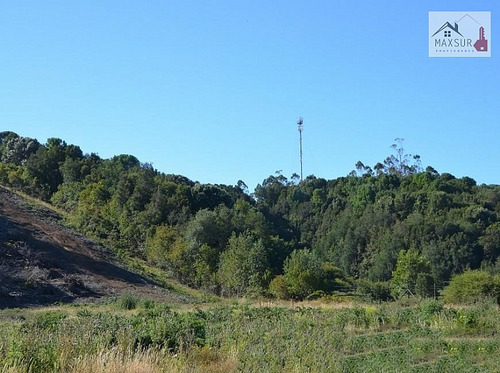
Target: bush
318, 294
471, 286
128, 302
278, 288
375, 291
430, 307
50, 320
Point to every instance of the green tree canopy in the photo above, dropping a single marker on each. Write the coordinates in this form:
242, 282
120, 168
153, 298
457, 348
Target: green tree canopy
302, 273
412, 274
472, 286
242, 267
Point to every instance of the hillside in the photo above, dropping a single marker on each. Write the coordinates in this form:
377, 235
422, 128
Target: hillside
290, 238
42, 261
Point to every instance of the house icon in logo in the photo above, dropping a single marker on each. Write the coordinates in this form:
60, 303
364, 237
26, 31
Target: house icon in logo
447, 28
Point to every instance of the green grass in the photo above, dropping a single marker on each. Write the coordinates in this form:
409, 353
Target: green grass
154, 337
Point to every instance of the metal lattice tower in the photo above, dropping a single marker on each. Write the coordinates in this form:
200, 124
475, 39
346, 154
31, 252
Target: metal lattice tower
300, 126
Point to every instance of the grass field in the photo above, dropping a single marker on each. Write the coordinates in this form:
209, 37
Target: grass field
133, 335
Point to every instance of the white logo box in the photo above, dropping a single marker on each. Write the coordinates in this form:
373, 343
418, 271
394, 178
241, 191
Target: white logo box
460, 34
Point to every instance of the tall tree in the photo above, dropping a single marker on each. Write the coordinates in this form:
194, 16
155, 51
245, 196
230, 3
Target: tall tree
17, 150
412, 274
243, 266
302, 273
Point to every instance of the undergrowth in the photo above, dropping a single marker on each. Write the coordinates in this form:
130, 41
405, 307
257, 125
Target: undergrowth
152, 337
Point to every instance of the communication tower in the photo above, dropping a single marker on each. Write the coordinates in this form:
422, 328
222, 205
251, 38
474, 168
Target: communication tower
300, 125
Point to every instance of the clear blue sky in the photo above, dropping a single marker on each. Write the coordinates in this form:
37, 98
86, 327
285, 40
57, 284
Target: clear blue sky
212, 89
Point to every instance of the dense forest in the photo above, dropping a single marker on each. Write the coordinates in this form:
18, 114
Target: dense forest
392, 230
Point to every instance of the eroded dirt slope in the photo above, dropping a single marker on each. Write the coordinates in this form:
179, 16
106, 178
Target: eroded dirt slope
42, 261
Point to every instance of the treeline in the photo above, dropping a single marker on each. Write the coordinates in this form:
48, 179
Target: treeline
390, 230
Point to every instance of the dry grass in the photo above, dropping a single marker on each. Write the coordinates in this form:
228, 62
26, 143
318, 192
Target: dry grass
114, 361
204, 360
36, 201
290, 304
209, 360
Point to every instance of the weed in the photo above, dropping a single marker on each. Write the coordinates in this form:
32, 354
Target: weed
381, 338
128, 302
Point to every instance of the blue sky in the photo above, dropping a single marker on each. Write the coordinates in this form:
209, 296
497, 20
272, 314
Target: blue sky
212, 90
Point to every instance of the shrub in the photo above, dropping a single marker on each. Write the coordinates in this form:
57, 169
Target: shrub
278, 288
470, 287
430, 307
49, 321
148, 304
375, 291
318, 294
128, 302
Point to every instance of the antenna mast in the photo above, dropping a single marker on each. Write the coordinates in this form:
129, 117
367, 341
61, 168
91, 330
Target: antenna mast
300, 126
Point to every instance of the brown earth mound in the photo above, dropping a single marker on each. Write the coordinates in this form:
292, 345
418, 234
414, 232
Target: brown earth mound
42, 261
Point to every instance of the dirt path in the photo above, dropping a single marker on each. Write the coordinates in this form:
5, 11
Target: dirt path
42, 261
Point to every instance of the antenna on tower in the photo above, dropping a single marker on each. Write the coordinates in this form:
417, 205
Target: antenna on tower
300, 125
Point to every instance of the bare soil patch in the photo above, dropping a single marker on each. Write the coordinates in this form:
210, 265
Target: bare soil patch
42, 261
